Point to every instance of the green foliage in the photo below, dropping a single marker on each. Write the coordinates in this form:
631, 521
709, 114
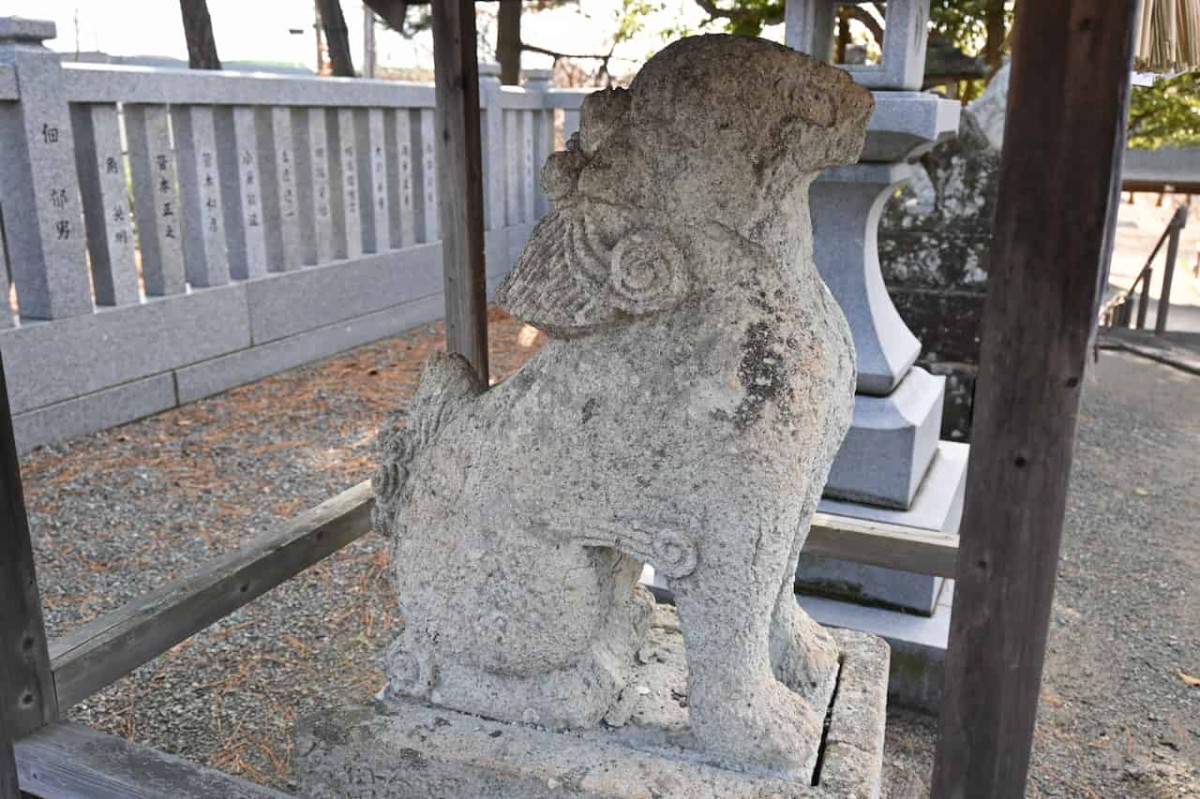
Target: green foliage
1166, 113
754, 14
964, 22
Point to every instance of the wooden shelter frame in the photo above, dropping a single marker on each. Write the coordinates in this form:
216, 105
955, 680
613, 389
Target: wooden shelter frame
1067, 101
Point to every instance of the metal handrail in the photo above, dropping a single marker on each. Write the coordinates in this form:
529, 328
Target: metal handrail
1115, 312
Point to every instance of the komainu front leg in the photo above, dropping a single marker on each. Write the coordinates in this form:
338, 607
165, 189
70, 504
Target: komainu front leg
740, 713
804, 656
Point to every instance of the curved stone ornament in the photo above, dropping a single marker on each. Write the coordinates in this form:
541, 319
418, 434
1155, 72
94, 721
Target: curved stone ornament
673, 554
646, 272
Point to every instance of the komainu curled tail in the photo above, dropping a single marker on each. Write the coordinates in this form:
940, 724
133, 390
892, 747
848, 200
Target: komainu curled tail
447, 383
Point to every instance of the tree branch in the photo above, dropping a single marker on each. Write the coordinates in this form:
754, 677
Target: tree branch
868, 21
715, 12
603, 58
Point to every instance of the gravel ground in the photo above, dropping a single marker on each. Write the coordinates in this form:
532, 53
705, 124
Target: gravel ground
119, 513
1120, 709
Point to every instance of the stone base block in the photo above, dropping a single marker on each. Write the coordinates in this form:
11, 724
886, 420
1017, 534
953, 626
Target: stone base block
937, 507
411, 750
891, 442
868, 585
918, 644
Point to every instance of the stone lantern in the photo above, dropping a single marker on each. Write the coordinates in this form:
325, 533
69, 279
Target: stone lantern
892, 467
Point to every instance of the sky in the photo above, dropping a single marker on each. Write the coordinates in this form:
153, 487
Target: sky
282, 30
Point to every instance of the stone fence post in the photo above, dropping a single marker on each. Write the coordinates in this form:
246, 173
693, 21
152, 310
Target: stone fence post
541, 81
39, 186
493, 145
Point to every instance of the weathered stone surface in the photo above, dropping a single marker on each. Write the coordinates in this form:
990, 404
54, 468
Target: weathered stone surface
908, 124
43, 223
685, 412
934, 238
401, 749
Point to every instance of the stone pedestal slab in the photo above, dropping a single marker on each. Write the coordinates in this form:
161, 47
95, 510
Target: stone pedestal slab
891, 443
918, 644
905, 125
937, 507
410, 750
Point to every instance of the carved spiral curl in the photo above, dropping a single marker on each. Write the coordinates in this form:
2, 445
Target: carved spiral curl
387, 483
645, 271
673, 553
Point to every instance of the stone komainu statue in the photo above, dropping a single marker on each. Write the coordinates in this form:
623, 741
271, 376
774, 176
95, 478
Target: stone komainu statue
698, 380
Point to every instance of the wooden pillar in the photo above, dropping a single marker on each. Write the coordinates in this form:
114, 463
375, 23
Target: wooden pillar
27, 698
1066, 103
460, 179
9, 784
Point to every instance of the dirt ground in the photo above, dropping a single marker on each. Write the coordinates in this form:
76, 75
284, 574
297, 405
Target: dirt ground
120, 512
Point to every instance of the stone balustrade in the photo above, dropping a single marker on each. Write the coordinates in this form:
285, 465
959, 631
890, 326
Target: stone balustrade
171, 233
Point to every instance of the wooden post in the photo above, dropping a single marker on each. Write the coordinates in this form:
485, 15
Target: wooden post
9, 784
27, 698
460, 179
1066, 104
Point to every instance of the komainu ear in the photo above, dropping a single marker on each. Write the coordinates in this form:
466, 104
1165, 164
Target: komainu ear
603, 113
579, 274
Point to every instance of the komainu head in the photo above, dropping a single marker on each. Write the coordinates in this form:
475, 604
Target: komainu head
710, 124
715, 133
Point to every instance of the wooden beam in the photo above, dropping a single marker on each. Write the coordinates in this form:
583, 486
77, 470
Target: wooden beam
891, 546
66, 761
9, 784
113, 645
1058, 183
27, 699
460, 180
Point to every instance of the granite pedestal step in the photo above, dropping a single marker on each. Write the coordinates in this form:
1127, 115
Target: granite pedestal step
404, 749
890, 444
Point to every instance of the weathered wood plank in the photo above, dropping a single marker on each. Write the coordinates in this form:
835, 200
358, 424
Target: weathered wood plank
9, 783
110, 647
1069, 85
878, 544
67, 761
27, 698
460, 176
